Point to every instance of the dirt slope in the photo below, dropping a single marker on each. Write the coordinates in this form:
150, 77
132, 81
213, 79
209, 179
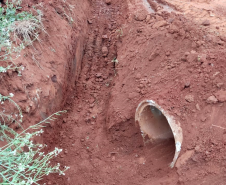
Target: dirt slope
48, 63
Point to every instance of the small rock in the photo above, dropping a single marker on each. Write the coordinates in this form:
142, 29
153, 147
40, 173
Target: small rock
104, 36
89, 21
186, 53
221, 96
223, 38
108, 2
197, 149
98, 75
65, 151
140, 16
138, 76
168, 53
104, 51
91, 105
64, 120
219, 85
220, 42
197, 107
159, 24
113, 158
22, 98
187, 83
10, 73
82, 140
206, 23
148, 18
212, 99
182, 160
189, 98
203, 118
154, 54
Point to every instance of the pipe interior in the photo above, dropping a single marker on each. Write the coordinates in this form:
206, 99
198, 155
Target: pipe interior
154, 124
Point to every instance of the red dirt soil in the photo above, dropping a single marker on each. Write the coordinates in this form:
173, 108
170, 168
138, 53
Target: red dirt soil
131, 55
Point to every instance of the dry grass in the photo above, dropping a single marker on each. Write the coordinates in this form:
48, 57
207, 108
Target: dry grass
28, 30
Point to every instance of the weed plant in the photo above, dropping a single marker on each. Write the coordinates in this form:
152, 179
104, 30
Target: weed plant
23, 162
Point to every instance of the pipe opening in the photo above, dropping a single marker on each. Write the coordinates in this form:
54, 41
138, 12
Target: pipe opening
155, 125
159, 128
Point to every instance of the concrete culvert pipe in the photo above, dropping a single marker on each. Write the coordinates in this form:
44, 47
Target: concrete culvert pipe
157, 125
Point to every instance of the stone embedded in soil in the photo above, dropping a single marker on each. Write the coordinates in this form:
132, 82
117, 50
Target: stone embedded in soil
182, 160
219, 85
154, 54
197, 148
206, 23
203, 118
10, 73
98, 75
168, 53
140, 16
104, 36
212, 99
187, 83
104, 51
89, 21
108, 2
221, 95
138, 76
197, 107
189, 98
159, 24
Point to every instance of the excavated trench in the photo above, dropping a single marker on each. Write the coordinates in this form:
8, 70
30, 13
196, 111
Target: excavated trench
98, 73
128, 58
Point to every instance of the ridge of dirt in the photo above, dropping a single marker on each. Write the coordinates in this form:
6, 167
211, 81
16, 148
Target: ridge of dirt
44, 82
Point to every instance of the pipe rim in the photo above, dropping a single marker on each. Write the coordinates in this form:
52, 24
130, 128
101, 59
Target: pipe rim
173, 123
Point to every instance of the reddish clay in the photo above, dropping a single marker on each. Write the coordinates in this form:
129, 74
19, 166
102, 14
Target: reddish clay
128, 55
